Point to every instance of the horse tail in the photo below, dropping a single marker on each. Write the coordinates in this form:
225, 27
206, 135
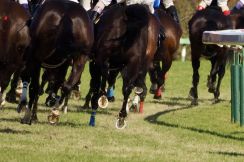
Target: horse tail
137, 17
65, 34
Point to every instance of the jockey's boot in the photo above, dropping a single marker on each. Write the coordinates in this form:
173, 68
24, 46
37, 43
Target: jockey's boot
26, 7
94, 15
234, 10
173, 12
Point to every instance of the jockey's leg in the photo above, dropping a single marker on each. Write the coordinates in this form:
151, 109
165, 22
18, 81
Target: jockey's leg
224, 7
97, 10
203, 4
238, 5
173, 12
26, 7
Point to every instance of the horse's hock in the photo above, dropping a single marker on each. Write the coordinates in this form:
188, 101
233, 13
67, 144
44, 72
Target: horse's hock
233, 39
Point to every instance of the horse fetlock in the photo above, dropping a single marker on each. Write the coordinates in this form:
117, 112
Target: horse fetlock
27, 117
194, 102
193, 93
153, 88
34, 117
216, 94
22, 106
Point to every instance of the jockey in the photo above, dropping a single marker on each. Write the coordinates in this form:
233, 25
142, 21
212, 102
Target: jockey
24, 4
238, 5
101, 4
169, 6
221, 3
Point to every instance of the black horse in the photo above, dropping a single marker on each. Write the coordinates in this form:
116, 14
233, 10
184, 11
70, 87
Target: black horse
61, 31
165, 52
207, 20
126, 39
14, 39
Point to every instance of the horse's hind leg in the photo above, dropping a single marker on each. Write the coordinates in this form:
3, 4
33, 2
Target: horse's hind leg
212, 77
111, 82
11, 95
221, 73
166, 64
33, 94
141, 83
195, 79
153, 73
95, 85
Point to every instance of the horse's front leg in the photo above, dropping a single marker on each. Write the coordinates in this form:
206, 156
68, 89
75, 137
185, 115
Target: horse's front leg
33, 94
195, 79
77, 69
153, 73
5, 76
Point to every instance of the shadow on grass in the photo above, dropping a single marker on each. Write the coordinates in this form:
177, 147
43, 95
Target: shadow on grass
12, 131
177, 101
224, 153
153, 119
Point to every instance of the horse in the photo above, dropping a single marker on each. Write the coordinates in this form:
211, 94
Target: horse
208, 20
165, 52
61, 31
126, 40
14, 40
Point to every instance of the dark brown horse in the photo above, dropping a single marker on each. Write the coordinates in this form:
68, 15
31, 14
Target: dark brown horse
165, 52
126, 39
14, 39
207, 20
61, 31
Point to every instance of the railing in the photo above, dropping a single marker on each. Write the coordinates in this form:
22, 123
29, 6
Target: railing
184, 42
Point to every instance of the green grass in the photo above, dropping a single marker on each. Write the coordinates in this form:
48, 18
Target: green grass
168, 130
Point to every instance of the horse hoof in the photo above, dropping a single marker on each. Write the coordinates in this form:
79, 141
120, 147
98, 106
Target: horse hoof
22, 121
121, 123
111, 99
216, 101
153, 88
157, 97
194, 102
27, 117
103, 102
34, 118
21, 107
53, 117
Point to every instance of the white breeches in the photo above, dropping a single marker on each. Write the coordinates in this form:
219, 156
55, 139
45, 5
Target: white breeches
168, 3
102, 3
221, 3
